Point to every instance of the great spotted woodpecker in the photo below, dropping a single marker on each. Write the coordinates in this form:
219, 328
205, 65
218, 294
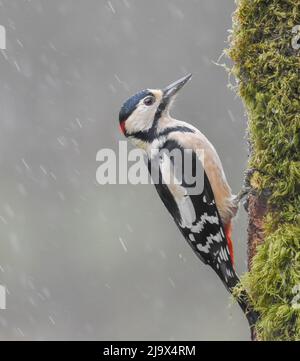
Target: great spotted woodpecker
204, 219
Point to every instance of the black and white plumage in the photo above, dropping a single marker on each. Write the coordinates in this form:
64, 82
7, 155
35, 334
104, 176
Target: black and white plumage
204, 218
196, 216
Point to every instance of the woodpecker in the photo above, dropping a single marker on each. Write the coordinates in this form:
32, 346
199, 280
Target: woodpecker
204, 219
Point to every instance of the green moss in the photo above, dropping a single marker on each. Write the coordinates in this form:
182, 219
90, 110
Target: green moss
268, 72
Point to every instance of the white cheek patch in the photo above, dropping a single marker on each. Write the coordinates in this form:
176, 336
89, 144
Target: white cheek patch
143, 108
142, 118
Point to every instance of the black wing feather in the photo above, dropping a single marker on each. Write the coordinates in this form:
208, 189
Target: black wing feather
208, 241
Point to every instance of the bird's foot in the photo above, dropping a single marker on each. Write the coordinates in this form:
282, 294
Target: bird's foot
247, 189
243, 197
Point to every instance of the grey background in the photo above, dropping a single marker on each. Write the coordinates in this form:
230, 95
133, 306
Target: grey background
67, 69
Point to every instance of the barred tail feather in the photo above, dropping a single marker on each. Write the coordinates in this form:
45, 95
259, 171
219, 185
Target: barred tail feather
243, 298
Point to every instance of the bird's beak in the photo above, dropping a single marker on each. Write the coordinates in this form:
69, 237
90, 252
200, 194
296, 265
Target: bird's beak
173, 88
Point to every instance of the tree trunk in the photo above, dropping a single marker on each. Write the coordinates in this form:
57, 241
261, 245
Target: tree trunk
264, 48
257, 209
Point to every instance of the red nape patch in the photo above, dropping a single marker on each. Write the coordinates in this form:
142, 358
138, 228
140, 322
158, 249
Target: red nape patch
228, 230
122, 127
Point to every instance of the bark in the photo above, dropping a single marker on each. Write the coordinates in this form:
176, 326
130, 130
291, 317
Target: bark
257, 209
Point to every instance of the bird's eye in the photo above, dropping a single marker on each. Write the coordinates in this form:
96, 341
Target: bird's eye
149, 100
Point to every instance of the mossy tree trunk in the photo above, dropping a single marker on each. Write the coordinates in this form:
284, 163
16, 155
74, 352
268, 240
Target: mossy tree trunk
266, 63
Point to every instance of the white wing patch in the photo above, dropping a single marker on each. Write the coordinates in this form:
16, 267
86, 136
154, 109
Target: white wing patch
187, 212
184, 202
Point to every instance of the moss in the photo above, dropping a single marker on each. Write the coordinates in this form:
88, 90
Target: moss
268, 80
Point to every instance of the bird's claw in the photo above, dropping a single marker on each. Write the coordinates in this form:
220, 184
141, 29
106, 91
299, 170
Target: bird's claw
247, 189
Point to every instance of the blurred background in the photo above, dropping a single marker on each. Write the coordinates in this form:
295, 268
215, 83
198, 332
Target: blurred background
81, 261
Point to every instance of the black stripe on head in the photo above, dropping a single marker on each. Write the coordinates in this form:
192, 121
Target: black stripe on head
161, 108
130, 104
